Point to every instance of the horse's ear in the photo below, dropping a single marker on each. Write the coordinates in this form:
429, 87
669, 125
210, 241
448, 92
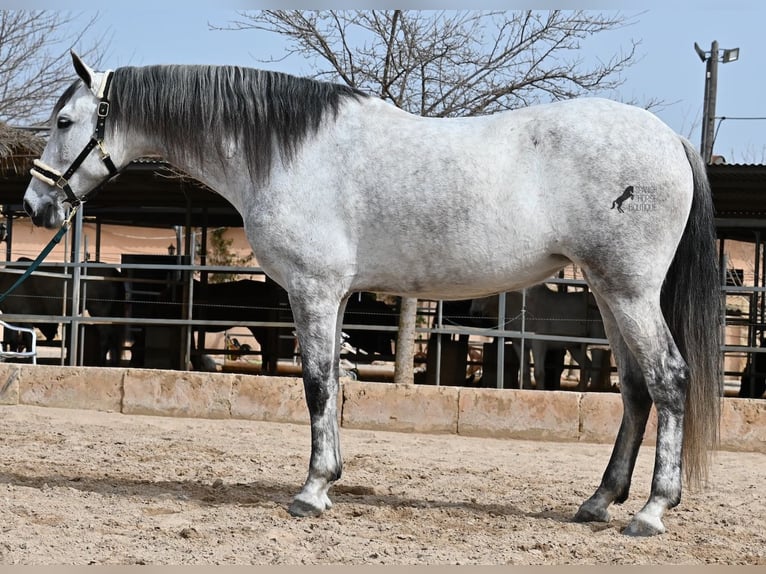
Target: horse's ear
82, 69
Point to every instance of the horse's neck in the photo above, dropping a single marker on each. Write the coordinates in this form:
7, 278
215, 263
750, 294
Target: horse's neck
216, 175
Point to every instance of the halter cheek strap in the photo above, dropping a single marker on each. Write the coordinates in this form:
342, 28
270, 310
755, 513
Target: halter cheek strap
55, 178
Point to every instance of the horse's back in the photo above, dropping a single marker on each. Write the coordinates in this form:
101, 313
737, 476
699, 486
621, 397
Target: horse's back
458, 208
530, 190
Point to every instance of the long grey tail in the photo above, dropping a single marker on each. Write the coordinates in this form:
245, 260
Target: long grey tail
692, 304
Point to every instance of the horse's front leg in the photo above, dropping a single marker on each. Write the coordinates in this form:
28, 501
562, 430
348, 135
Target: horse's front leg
525, 377
317, 321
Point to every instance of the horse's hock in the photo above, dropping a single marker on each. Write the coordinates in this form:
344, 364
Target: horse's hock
499, 413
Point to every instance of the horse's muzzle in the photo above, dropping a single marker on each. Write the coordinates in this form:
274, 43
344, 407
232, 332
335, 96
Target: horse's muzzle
45, 214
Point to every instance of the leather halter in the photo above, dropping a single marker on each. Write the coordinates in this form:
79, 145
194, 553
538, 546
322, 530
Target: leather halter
55, 178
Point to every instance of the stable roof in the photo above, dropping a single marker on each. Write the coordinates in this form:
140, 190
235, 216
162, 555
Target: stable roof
150, 193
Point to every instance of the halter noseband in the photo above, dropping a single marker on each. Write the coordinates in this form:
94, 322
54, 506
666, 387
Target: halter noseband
55, 178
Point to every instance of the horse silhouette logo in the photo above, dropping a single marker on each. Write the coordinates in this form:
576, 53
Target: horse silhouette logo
627, 194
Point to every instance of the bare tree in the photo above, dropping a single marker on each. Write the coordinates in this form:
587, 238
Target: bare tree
453, 63
35, 65
450, 64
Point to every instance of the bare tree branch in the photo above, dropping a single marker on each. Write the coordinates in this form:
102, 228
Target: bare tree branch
453, 63
34, 60
438, 58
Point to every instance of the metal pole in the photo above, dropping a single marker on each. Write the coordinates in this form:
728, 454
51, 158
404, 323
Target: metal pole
711, 88
187, 334
752, 322
76, 273
724, 259
98, 241
523, 338
762, 299
201, 332
188, 243
8, 238
190, 246
186, 352
179, 232
83, 300
438, 344
501, 341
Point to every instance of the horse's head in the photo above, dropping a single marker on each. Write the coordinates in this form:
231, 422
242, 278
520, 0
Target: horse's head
74, 161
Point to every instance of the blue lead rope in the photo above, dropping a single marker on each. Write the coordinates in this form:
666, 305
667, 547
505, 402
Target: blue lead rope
43, 254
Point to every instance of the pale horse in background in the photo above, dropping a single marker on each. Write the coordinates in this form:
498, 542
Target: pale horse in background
548, 312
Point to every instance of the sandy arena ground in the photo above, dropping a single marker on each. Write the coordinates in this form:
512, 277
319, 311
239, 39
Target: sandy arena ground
85, 487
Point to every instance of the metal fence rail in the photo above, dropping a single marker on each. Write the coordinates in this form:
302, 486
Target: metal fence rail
78, 298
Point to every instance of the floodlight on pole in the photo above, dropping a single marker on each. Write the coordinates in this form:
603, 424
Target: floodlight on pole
730, 55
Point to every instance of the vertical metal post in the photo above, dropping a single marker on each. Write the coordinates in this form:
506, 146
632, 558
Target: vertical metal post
438, 343
753, 324
724, 265
8, 238
191, 242
190, 246
201, 332
753, 319
83, 298
189, 317
522, 347
762, 299
76, 273
98, 241
179, 233
64, 298
721, 260
500, 379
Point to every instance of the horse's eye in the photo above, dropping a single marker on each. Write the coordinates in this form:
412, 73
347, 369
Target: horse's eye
63, 123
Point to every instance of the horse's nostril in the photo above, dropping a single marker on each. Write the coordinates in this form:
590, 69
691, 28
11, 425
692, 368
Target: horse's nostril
28, 208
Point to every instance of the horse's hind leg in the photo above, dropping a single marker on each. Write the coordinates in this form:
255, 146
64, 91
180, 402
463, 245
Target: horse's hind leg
318, 323
580, 355
539, 350
615, 484
665, 373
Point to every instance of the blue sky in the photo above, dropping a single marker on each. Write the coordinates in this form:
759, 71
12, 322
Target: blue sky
669, 69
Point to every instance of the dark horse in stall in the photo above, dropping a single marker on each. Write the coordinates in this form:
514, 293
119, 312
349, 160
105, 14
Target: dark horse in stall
247, 300
366, 309
43, 295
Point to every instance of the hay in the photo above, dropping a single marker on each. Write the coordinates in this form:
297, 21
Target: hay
18, 148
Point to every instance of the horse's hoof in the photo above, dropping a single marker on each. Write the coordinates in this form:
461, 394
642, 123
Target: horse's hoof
588, 513
643, 526
303, 505
303, 509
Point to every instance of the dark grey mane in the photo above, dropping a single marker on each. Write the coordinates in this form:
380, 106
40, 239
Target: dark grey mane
189, 107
